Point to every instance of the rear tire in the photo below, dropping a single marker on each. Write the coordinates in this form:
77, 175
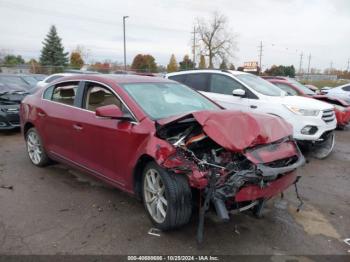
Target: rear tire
167, 197
35, 148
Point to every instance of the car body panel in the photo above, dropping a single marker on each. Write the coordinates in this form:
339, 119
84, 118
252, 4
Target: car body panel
112, 149
342, 116
274, 105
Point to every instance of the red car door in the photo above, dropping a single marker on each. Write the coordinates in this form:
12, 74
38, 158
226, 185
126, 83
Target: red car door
56, 115
104, 146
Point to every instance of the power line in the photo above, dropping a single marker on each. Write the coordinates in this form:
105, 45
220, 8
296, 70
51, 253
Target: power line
301, 62
260, 54
194, 46
308, 64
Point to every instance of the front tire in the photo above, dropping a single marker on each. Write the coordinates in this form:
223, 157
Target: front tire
35, 149
167, 197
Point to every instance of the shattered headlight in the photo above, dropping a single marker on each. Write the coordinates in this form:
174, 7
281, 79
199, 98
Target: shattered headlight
302, 111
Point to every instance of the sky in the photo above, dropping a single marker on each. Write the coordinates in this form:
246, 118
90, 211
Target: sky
286, 28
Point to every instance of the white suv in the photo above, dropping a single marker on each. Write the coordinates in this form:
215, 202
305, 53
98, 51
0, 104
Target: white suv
313, 121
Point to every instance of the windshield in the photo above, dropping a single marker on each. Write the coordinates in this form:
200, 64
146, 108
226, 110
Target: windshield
162, 100
12, 80
30, 80
303, 88
260, 85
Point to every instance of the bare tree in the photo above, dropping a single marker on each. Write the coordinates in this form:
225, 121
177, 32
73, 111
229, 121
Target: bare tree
215, 38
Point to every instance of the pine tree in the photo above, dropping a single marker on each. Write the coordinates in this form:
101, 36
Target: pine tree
223, 65
172, 66
52, 52
202, 64
232, 67
186, 63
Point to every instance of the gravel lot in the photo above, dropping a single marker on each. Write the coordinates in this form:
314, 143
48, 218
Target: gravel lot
56, 210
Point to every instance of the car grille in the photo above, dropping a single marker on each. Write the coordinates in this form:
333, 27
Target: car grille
328, 115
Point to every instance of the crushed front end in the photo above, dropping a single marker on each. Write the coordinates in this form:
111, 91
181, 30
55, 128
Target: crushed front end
234, 159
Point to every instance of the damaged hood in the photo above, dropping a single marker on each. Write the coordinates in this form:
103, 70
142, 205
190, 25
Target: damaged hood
237, 130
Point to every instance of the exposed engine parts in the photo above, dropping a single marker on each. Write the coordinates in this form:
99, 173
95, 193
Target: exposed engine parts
229, 179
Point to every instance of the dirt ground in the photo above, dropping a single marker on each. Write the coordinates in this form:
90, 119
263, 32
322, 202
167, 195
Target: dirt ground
56, 210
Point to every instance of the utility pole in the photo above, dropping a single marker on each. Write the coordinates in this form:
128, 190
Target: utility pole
124, 17
260, 55
301, 62
194, 47
348, 66
331, 68
308, 64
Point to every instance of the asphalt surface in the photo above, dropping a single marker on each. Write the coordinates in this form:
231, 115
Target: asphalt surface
55, 210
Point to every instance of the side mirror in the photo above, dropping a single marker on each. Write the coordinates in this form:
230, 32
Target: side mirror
238, 92
112, 111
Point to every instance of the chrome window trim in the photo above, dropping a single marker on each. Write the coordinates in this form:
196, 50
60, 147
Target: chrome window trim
83, 109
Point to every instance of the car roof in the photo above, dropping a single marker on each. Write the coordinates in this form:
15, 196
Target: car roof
208, 71
117, 78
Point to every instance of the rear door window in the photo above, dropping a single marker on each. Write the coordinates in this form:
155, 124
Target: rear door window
179, 78
222, 84
346, 88
65, 93
198, 81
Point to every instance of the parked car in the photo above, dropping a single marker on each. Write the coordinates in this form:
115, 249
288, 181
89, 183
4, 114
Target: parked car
11, 96
312, 88
163, 142
313, 121
49, 79
324, 90
293, 87
341, 92
31, 80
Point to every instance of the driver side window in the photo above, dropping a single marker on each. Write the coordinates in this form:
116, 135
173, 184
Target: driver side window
222, 84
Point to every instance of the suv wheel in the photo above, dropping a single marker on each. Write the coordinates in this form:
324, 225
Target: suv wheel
166, 197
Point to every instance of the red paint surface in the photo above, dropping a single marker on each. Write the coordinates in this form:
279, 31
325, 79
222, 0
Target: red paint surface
110, 149
236, 130
254, 192
272, 153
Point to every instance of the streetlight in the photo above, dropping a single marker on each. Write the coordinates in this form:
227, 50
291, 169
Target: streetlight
124, 17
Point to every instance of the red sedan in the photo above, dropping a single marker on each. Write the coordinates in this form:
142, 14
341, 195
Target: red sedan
293, 87
161, 141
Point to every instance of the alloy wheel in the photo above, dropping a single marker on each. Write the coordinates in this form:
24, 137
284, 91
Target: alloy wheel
154, 194
34, 147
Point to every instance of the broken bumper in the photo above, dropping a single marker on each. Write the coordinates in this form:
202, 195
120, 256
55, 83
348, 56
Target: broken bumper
254, 192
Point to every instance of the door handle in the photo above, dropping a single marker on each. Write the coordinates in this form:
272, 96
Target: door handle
253, 106
41, 114
77, 127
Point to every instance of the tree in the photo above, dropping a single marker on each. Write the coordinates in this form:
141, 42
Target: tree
281, 71
172, 66
12, 60
232, 67
52, 52
215, 39
76, 61
104, 67
34, 66
223, 65
186, 63
202, 64
144, 63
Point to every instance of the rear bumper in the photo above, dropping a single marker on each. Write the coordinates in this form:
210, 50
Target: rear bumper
254, 192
